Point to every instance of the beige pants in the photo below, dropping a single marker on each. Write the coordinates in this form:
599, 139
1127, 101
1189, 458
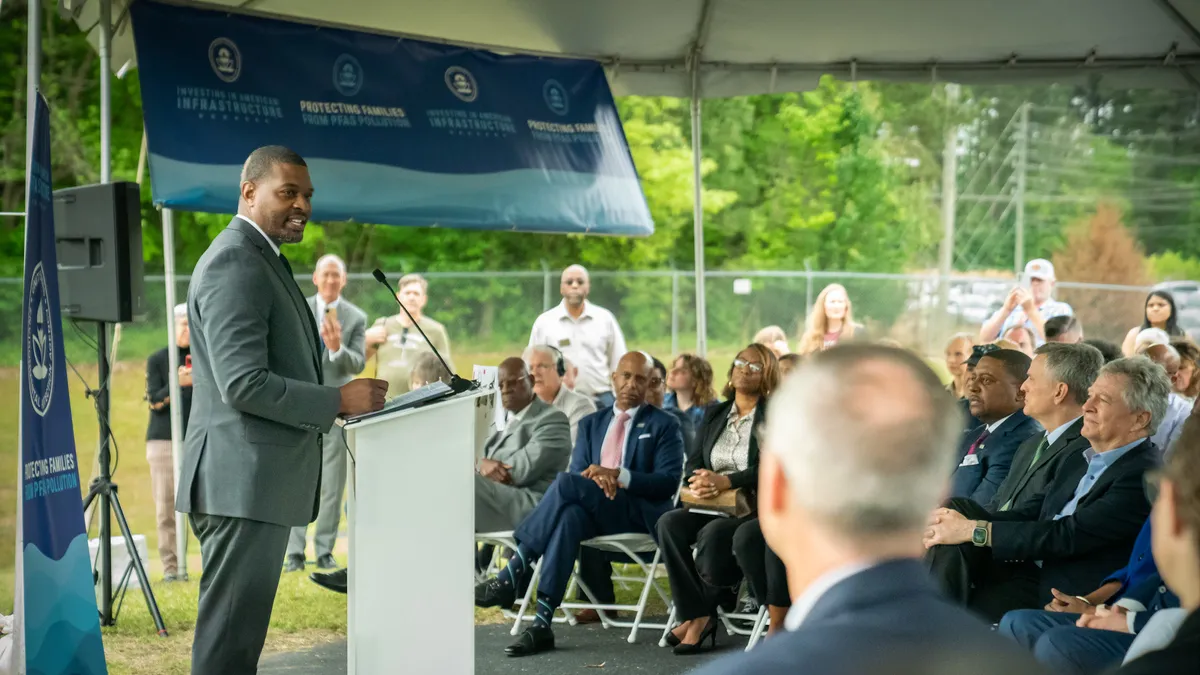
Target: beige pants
162, 484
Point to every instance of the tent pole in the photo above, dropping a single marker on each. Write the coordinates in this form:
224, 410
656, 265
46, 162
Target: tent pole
105, 91
168, 231
698, 219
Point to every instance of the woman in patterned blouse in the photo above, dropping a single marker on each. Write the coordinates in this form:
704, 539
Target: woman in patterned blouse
725, 458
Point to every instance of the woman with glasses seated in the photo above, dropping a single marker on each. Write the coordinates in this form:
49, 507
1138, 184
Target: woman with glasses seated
725, 458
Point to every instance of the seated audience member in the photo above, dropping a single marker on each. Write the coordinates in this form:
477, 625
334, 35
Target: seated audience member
764, 572
427, 369
656, 395
690, 387
1055, 392
623, 476
1022, 337
1159, 316
1061, 639
977, 352
788, 363
958, 350
572, 373
725, 458
773, 338
1147, 337
996, 399
547, 366
520, 462
1178, 408
1176, 544
1187, 380
1077, 531
1064, 329
854, 456
1108, 350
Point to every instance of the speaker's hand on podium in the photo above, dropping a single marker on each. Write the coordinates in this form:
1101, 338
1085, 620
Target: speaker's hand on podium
362, 396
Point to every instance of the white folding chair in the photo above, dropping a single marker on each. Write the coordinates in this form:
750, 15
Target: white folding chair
635, 547
758, 624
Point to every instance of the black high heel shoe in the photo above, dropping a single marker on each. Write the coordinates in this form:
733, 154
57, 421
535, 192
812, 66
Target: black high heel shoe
672, 641
708, 634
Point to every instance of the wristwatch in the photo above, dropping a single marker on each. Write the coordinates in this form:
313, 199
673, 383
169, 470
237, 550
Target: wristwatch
979, 535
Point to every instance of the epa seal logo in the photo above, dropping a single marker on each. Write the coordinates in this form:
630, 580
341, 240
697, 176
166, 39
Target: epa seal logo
347, 75
462, 83
225, 59
39, 349
556, 97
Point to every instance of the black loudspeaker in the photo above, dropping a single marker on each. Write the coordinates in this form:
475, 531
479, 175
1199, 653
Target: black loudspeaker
98, 235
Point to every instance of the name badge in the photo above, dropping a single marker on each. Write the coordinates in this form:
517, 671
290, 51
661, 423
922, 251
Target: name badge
565, 342
643, 436
970, 460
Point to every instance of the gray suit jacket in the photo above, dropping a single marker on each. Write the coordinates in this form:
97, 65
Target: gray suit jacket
253, 447
537, 447
354, 343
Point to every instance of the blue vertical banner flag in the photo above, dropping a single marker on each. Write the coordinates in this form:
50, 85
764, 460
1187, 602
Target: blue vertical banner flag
395, 131
60, 622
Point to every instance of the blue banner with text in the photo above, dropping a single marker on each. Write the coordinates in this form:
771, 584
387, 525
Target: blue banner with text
395, 131
61, 625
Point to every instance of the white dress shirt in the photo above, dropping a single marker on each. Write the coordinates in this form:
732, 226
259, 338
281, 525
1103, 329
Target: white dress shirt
803, 605
623, 478
321, 307
593, 342
274, 246
1178, 410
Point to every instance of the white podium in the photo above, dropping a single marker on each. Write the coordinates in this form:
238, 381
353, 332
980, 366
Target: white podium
412, 523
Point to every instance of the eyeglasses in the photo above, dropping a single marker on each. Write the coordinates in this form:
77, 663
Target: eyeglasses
655, 382
752, 367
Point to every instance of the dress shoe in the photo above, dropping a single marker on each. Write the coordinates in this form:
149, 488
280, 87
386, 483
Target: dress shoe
587, 616
535, 640
334, 581
709, 633
327, 562
293, 563
495, 593
173, 577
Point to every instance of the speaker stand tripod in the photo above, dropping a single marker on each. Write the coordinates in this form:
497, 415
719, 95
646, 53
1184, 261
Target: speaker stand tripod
104, 488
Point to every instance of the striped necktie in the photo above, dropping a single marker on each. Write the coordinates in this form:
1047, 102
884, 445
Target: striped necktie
1037, 454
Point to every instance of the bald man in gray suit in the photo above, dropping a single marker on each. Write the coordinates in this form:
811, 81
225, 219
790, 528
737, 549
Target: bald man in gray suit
251, 467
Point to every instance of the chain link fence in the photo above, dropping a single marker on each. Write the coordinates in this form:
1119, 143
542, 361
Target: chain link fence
492, 312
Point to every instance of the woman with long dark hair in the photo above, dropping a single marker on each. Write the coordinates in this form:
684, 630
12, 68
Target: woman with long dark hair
1159, 313
725, 458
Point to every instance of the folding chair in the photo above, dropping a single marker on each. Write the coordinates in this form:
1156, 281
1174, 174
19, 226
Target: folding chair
758, 624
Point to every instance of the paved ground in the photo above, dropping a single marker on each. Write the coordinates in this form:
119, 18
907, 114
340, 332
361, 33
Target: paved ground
581, 649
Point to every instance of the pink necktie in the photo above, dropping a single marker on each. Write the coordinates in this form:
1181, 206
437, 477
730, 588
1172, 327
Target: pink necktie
610, 454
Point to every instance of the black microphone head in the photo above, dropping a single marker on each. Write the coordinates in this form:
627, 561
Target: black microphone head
380, 276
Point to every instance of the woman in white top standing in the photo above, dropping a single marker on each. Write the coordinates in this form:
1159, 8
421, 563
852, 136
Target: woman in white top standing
830, 321
1159, 313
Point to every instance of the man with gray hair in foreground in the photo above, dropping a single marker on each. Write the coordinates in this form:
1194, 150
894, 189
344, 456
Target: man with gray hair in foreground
858, 450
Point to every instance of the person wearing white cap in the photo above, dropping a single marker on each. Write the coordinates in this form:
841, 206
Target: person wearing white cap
1029, 304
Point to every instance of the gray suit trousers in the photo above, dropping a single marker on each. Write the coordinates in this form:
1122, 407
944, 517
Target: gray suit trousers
501, 507
237, 591
333, 488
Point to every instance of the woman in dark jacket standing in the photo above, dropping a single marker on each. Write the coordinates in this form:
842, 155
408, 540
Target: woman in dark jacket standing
725, 458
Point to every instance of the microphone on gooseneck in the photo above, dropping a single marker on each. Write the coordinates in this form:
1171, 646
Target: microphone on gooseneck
457, 384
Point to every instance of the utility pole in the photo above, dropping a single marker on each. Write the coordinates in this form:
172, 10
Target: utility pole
1019, 195
949, 203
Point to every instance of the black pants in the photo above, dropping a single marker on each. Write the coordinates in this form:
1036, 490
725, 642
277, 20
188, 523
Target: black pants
765, 572
970, 576
697, 582
242, 563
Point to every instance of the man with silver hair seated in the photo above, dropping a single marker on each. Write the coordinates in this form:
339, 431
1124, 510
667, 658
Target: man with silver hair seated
858, 448
158, 436
1067, 539
548, 367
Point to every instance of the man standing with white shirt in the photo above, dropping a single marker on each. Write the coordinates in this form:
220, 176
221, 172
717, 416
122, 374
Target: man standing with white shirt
858, 446
342, 327
586, 334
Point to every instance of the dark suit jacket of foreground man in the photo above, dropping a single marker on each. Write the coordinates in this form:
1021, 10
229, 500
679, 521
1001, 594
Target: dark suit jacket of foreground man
252, 459
888, 619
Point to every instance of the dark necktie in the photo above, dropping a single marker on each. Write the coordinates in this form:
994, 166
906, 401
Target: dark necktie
287, 266
1037, 454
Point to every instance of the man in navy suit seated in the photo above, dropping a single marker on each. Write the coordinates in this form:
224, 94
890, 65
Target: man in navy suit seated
624, 474
996, 399
856, 453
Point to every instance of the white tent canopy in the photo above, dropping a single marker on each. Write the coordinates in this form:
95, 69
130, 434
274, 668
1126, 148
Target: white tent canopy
758, 46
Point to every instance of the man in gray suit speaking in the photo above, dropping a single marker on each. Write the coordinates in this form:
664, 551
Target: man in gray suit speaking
343, 333
519, 463
252, 458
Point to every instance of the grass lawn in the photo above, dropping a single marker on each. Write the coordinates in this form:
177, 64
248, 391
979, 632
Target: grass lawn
304, 614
